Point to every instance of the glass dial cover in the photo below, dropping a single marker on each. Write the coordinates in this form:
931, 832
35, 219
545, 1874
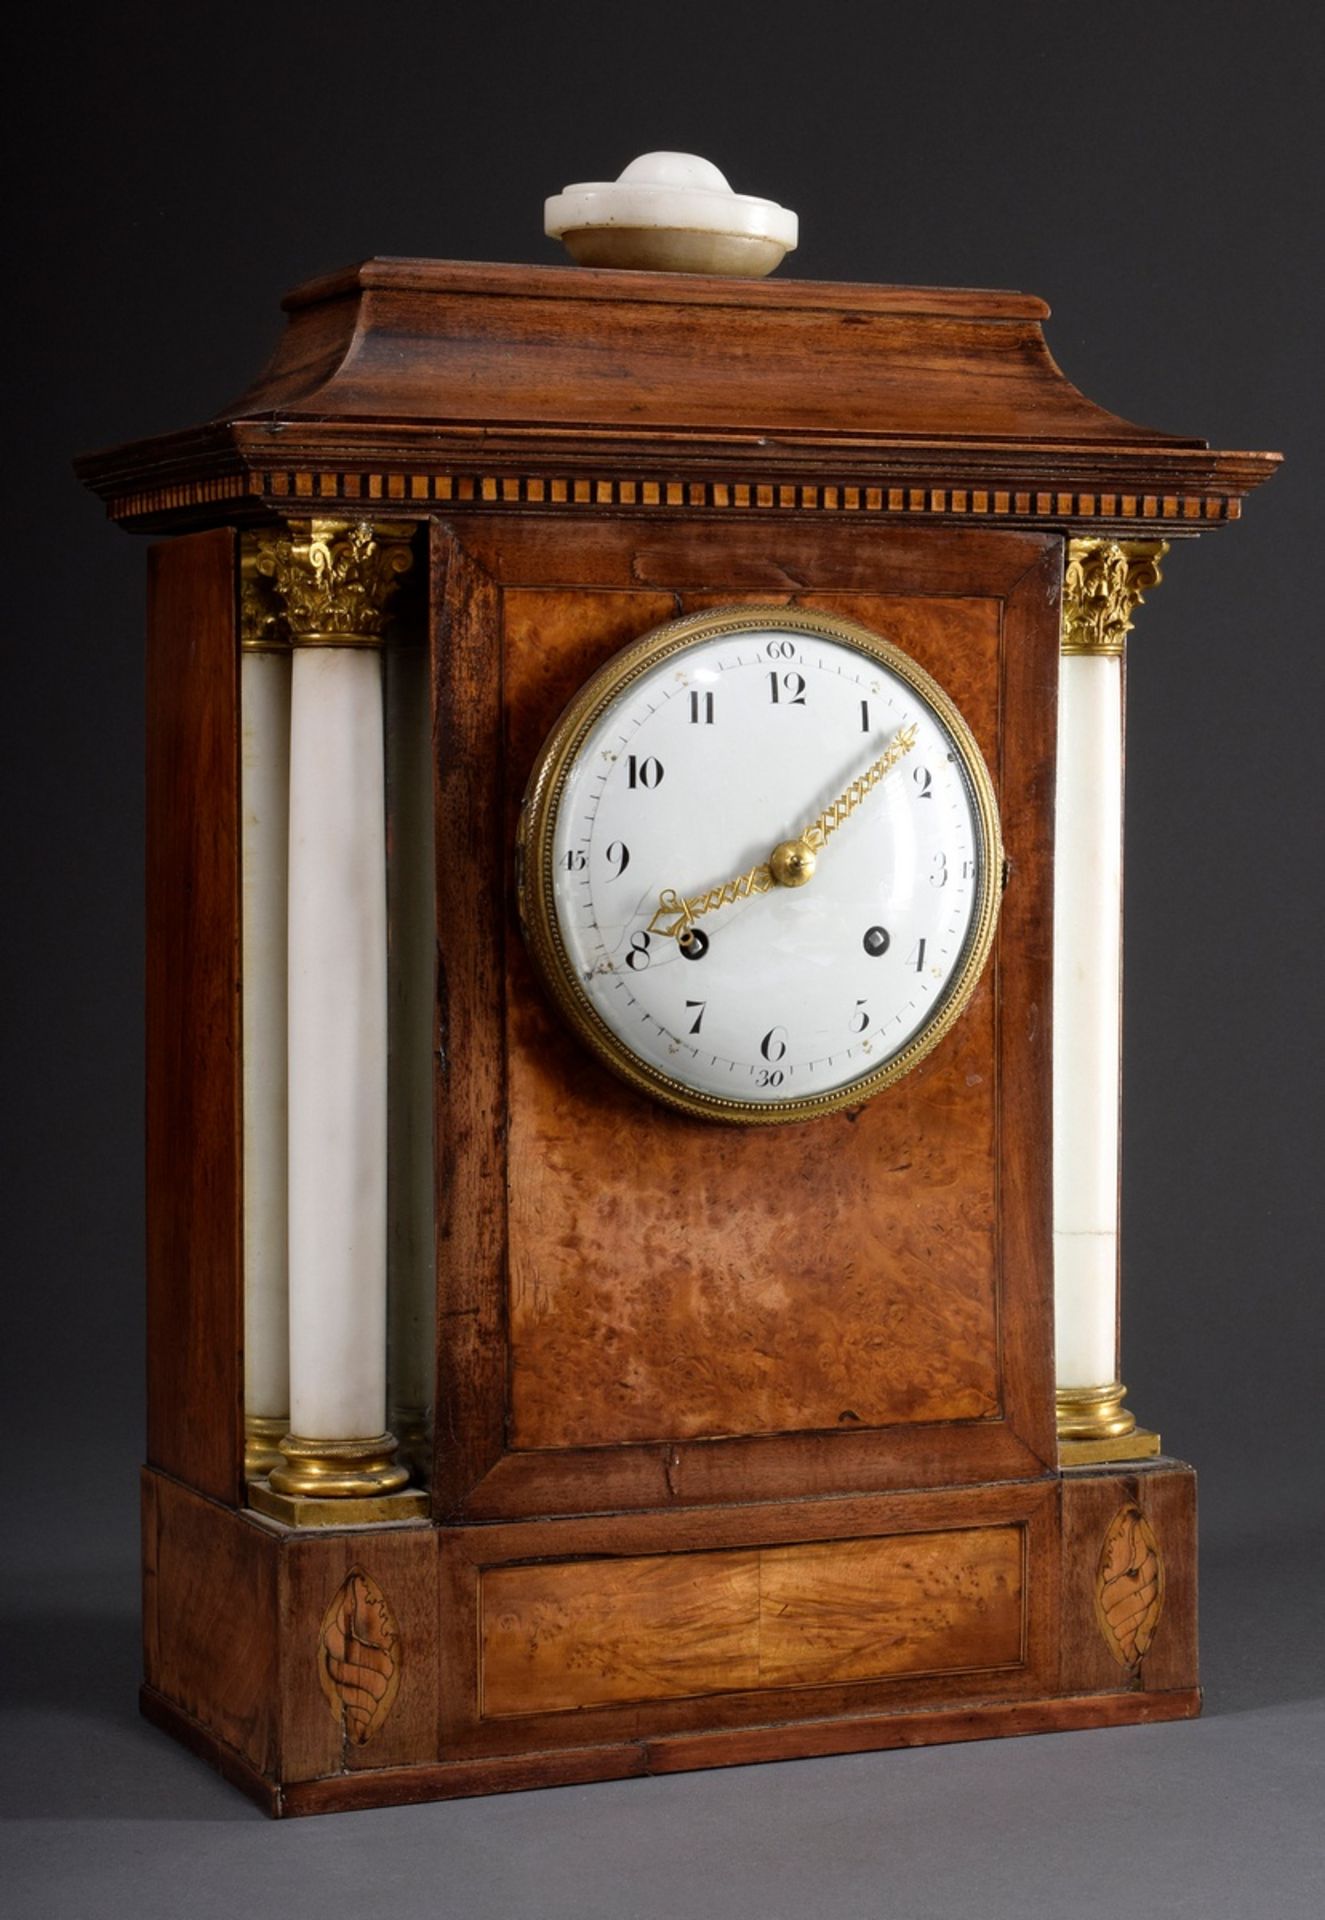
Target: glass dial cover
760, 863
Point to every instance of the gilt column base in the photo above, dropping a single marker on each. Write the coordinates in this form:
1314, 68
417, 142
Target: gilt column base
338, 1483
262, 1443
1095, 1427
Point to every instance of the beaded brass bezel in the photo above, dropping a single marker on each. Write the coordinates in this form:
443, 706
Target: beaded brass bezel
535, 877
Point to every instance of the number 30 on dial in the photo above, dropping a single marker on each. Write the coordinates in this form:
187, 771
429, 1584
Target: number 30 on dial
760, 863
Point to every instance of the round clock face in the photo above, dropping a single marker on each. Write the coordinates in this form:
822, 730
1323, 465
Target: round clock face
760, 863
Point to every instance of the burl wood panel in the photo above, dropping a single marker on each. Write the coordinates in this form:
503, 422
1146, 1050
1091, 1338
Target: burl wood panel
599, 1632
866, 1582
194, 1201
592, 1633
862, 1609
486, 1136
697, 1281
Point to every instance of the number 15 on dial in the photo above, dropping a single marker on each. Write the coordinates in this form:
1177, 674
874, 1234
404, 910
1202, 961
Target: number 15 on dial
760, 863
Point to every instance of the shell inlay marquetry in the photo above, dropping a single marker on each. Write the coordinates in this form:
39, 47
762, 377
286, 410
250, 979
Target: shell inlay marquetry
1129, 1586
358, 1657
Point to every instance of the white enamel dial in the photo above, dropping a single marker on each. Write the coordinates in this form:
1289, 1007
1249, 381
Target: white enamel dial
706, 969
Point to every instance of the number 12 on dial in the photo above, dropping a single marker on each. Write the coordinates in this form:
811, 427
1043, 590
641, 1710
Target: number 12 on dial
760, 864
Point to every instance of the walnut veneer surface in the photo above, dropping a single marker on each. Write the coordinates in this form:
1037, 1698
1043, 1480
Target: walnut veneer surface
745, 1442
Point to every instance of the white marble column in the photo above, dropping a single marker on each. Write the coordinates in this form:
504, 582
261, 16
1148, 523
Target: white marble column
338, 1046
334, 583
1104, 583
264, 798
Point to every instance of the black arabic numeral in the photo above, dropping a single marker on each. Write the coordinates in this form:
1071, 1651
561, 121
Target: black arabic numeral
916, 957
924, 780
773, 1046
791, 690
860, 1019
618, 856
698, 1020
573, 861
644, 773
638, 957
701, 709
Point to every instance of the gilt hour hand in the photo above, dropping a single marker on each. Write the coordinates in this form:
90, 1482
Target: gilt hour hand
791, 863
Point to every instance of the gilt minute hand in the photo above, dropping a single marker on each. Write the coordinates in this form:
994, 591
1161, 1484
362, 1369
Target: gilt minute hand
791, 863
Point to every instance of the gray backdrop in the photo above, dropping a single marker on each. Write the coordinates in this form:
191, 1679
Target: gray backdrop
1155, 172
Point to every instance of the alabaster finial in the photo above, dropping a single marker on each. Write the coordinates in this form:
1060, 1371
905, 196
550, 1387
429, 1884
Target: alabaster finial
670, 213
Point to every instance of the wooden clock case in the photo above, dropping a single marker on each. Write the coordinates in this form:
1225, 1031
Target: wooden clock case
745, 1440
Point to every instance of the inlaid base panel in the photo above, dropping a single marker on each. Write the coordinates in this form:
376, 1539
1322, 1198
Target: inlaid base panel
585, 1633
367, 1667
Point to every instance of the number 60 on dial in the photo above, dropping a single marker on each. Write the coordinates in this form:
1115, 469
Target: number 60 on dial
760, 864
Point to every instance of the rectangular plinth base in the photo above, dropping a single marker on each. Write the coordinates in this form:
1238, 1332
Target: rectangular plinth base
321, 1670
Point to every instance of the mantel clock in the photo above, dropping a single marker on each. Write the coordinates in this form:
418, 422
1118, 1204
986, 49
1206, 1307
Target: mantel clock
633, 872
